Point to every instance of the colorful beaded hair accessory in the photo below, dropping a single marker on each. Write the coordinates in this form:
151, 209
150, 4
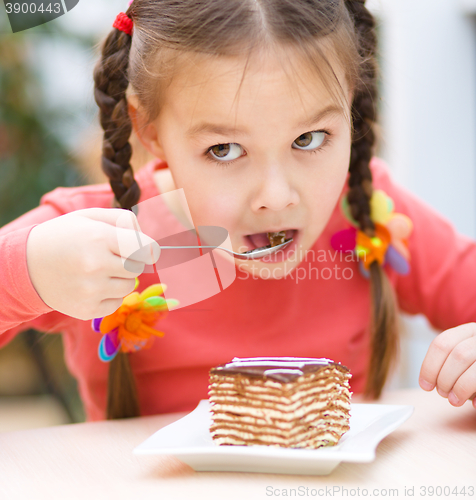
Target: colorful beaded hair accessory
390, 243
131, 327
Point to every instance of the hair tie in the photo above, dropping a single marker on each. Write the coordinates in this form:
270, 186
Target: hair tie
130, 328
123, 23
390, 243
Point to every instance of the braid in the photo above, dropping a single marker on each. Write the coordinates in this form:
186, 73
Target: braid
364, 114
384, 340
111, 82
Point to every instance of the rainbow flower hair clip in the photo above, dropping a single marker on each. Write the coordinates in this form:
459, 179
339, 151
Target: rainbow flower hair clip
131, 327
390, 243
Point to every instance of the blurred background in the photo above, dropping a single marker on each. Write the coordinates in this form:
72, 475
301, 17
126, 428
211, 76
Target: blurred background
50, 137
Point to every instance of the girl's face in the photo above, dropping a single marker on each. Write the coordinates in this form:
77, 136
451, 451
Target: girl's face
272, 156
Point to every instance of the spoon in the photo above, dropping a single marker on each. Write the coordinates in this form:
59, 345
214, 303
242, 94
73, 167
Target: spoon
257, 253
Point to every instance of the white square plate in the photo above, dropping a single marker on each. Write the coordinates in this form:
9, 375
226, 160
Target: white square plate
189, 440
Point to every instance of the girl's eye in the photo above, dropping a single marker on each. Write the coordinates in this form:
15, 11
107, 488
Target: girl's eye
310, 140
226, 152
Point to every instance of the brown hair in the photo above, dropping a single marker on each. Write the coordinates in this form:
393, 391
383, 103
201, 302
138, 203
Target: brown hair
164, 30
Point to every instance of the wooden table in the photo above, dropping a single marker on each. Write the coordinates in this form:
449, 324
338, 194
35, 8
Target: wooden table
435, 447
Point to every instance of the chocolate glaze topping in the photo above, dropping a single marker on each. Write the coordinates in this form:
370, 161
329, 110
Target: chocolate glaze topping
281, 369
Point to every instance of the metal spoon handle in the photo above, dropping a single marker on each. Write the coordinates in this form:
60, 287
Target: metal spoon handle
251, 254
202, 246
238, 255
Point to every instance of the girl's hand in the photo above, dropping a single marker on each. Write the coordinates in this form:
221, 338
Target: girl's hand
75, 262
450, 365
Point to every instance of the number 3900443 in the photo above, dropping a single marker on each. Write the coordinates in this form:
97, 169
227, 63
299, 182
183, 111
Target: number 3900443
32, 8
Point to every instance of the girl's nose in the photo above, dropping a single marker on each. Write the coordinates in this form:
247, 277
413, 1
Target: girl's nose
274, 190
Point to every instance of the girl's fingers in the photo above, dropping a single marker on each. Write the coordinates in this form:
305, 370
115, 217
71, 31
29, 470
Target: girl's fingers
123, 235
118, 288
129, 269
438, 352
464, 388
134, 245
458, 361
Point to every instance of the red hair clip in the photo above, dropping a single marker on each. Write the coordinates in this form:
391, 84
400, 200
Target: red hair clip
123, 23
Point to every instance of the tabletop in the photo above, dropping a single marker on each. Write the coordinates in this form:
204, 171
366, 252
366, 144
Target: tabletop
432, 454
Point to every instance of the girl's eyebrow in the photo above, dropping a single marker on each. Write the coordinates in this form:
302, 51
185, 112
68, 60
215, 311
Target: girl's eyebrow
207, 128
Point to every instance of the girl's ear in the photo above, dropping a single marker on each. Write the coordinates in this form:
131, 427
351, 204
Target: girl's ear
146, 132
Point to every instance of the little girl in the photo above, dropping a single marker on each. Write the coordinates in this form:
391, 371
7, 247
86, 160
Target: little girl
263, 113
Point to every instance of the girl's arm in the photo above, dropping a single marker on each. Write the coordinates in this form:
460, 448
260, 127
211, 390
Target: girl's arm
442, 286
70, 248
21, 306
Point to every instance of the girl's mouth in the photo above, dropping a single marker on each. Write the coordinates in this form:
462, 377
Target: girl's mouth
258, 240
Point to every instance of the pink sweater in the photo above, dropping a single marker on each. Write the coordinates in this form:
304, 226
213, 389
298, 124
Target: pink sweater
315, 317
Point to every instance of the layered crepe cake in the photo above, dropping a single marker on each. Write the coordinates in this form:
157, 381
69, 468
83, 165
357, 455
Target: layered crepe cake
286, 402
